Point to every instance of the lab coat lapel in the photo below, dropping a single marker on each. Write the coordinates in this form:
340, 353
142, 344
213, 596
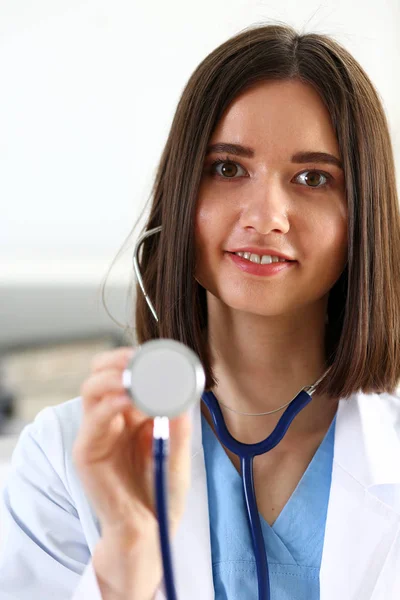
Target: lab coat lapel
363, 518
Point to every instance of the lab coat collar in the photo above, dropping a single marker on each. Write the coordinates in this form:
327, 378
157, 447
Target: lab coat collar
363, 514
367, 443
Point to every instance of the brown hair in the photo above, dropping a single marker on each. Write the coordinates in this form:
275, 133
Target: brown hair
363, 334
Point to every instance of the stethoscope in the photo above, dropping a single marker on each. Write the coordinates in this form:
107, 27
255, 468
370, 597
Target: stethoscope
164, 379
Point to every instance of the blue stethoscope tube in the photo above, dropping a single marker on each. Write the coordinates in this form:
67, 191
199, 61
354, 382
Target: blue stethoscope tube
160, 453
246, 453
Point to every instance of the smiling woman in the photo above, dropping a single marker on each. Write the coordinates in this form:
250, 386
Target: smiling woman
264, 206
280, 148
261, 313
272, 250
280, 145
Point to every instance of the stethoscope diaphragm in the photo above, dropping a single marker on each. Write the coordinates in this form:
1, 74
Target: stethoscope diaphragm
164, 378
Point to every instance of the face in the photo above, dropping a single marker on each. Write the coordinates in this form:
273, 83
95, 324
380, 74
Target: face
273, 200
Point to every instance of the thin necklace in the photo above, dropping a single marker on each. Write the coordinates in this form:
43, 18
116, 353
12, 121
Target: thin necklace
309, 389
254, 414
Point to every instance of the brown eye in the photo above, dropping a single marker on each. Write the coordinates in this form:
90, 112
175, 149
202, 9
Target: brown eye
314, 179
226, 169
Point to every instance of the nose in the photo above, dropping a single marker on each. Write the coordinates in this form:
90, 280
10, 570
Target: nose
265, 208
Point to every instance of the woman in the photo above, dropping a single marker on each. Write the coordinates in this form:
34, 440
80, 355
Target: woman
279, 148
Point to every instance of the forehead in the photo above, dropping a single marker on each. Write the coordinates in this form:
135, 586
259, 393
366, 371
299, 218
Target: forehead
279, 117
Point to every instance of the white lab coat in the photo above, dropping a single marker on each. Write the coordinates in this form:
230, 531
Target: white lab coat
51, 529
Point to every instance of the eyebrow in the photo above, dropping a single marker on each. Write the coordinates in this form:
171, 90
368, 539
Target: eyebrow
299, 157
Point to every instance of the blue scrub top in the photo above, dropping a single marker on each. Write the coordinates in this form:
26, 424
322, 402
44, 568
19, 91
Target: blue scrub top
294, 543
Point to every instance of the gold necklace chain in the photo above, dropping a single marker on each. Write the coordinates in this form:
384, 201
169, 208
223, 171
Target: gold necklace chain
309, 389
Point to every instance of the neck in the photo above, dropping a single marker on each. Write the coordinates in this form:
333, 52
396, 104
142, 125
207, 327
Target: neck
262, 363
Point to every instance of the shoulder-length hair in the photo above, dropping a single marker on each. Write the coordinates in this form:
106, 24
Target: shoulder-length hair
363, 334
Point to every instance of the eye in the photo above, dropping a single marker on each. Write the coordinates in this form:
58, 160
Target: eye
228, 168
313, 179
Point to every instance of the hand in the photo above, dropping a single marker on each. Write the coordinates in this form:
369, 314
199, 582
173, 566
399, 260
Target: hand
113, 457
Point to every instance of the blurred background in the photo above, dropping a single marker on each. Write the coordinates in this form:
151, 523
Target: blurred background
89, 89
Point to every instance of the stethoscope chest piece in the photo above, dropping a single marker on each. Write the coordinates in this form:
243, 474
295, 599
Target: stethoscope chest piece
164, 378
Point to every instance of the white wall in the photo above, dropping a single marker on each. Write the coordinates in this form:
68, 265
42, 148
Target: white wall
88, 90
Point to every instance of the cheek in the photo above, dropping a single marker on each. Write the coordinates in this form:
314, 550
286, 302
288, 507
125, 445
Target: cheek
209, 236
208, 226
339, 231
201, 224
333, 246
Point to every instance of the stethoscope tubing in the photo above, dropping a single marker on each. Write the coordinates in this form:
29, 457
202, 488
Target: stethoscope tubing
246, 453
260, 554
160, 454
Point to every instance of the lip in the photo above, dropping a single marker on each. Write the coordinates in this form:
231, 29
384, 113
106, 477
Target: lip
259, 269
262, 251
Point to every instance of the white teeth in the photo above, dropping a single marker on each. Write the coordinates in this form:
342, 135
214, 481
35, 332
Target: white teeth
264, 260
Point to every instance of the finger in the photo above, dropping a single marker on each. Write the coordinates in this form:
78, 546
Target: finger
96, 386
100, 429
117, 358
133, 416
104, 386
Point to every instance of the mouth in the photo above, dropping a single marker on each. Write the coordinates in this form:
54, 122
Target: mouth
281, 259
251, 268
